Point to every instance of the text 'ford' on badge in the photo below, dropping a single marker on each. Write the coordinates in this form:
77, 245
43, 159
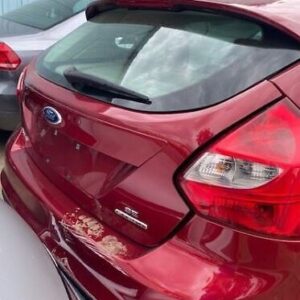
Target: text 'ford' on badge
51, 115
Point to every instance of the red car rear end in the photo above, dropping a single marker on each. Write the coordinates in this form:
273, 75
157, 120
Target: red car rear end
159, 154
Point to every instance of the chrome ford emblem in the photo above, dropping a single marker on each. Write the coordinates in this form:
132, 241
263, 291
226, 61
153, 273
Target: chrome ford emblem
51, 115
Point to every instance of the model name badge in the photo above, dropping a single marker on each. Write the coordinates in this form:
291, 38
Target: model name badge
51, 115
131, 216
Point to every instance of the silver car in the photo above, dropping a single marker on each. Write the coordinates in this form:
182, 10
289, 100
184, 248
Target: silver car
24, 33
27, 272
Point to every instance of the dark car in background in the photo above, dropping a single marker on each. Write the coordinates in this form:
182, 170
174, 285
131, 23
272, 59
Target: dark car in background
24, 33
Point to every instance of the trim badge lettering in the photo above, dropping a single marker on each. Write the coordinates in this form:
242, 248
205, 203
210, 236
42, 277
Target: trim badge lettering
131, 216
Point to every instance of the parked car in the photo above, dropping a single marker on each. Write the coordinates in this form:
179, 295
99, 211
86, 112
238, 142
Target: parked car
159, 150
27, 271
24, 33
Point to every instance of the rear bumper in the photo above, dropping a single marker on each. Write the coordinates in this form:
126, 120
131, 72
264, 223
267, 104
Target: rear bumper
106, 268
110, 266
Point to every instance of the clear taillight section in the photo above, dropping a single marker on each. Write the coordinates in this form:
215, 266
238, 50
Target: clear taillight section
9, 60
250, 179
227, 171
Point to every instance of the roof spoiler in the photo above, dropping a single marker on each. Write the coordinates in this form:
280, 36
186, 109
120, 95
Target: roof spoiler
99, 6
253, 13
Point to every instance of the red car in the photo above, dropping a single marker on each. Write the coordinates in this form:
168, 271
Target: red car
159, 156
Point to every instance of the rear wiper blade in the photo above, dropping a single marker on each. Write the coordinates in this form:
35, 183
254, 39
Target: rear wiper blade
79, 79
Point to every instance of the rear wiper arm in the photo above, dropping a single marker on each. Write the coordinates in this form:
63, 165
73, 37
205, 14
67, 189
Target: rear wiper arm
80, 79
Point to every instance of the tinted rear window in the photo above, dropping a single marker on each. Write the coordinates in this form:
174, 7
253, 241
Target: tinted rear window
181, 60
44, 14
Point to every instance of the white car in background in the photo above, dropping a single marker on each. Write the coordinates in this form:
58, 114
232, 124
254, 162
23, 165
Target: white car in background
26, 270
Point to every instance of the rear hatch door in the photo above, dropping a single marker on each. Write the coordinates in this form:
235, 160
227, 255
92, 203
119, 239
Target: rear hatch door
107, 159
118, 158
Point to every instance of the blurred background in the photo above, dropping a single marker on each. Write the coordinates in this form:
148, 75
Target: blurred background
3, 139
6, 6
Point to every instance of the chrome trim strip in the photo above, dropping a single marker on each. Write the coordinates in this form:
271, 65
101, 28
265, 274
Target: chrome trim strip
131, 219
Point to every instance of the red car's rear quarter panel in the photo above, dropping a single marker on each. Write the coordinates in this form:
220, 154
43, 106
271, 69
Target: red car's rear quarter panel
289, 83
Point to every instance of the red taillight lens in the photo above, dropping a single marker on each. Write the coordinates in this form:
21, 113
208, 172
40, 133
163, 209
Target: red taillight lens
251, 178
9, 60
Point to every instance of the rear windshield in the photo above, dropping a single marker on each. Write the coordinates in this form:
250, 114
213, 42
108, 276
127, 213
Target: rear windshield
180, 60
44, 14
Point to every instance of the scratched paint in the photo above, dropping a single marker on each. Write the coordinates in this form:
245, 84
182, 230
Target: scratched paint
91, 232
112, 246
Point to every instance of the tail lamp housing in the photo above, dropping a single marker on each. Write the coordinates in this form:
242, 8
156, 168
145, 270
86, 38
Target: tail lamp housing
9, 59
250, 179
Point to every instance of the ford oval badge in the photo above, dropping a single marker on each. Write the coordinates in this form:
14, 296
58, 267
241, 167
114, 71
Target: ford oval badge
51, 115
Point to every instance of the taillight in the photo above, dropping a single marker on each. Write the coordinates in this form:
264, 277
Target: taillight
250, 179
9, 60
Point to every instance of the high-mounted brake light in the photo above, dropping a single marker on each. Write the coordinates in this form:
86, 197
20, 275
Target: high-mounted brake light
251, 178
9, 60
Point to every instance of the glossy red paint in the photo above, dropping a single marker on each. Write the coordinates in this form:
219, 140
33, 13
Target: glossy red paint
181, 256
289, 83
